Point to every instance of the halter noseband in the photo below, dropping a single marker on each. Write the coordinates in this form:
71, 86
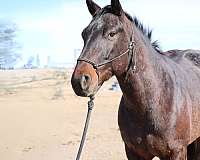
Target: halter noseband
131, 53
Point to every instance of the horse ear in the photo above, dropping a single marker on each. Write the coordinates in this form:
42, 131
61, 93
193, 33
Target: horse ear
92, 7
116, 7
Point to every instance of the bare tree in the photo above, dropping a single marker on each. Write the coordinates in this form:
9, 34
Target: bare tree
8, 45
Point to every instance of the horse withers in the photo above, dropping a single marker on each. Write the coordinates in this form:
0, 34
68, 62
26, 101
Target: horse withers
159, 112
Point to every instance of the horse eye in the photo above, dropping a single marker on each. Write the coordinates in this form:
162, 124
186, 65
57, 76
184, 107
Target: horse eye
112, 34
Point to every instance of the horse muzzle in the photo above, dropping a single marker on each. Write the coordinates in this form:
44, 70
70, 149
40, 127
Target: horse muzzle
84, 80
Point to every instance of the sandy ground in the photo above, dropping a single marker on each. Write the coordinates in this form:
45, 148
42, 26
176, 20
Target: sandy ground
42, 119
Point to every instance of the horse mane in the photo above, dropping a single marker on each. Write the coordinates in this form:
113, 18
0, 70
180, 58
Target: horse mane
145, 31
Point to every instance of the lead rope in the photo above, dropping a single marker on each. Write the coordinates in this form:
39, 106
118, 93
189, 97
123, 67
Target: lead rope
90, 107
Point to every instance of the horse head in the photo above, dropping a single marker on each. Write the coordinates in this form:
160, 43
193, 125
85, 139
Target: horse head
106, 48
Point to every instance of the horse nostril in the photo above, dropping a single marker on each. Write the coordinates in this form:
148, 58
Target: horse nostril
85, 80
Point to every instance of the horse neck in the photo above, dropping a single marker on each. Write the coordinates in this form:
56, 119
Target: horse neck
142, 86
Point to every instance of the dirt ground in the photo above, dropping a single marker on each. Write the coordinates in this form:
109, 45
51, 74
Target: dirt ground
42, 119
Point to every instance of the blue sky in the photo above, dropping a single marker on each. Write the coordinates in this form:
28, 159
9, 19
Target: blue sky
53, 27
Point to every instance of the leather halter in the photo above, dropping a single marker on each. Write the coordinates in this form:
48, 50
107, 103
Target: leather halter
131, 54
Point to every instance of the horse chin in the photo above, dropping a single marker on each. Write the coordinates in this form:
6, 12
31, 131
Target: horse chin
95, 91
87, 93
92, 92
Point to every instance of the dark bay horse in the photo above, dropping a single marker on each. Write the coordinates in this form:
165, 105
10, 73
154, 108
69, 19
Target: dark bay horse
159, 113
